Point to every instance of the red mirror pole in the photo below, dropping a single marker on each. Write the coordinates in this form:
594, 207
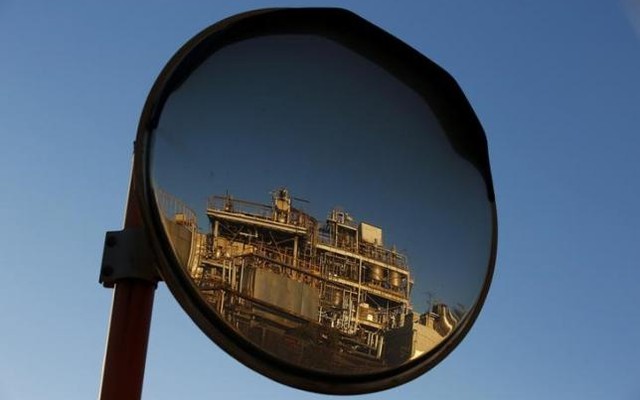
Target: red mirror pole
128, 336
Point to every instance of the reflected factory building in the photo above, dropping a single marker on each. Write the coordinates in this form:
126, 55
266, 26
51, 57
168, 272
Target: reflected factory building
329, 296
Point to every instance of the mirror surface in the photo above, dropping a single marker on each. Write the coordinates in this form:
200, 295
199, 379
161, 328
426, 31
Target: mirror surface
316, 203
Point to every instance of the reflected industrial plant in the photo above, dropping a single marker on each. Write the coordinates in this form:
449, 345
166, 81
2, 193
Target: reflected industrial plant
328, 295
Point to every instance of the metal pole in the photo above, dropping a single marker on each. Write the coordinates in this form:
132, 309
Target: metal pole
126, 350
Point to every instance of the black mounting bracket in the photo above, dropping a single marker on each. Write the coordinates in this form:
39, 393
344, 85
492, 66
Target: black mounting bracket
127, 255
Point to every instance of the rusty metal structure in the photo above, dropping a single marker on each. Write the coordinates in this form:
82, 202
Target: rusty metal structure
328, 294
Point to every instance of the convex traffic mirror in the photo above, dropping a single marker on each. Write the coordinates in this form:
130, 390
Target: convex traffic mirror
319, 198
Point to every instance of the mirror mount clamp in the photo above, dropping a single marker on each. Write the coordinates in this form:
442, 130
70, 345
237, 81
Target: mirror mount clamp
127, 255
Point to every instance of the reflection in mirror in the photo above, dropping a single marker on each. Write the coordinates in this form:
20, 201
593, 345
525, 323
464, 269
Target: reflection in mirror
317, 205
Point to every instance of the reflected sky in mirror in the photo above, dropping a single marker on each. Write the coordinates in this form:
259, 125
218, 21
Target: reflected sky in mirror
390, 227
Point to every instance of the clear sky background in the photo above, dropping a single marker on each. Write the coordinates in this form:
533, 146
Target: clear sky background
555, 84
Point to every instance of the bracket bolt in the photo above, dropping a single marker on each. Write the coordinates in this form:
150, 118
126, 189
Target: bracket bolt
111, 241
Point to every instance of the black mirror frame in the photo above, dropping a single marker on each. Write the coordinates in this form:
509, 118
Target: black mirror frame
438, 88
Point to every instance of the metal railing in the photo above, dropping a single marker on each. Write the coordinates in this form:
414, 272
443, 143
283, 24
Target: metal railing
371, 251
229, 204
175, 209
258, 210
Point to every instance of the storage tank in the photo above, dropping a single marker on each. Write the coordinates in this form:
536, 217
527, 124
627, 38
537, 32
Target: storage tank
395, 279
376, 273
364, 312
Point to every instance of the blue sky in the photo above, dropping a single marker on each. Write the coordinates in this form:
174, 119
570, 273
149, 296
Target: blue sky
555, 85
